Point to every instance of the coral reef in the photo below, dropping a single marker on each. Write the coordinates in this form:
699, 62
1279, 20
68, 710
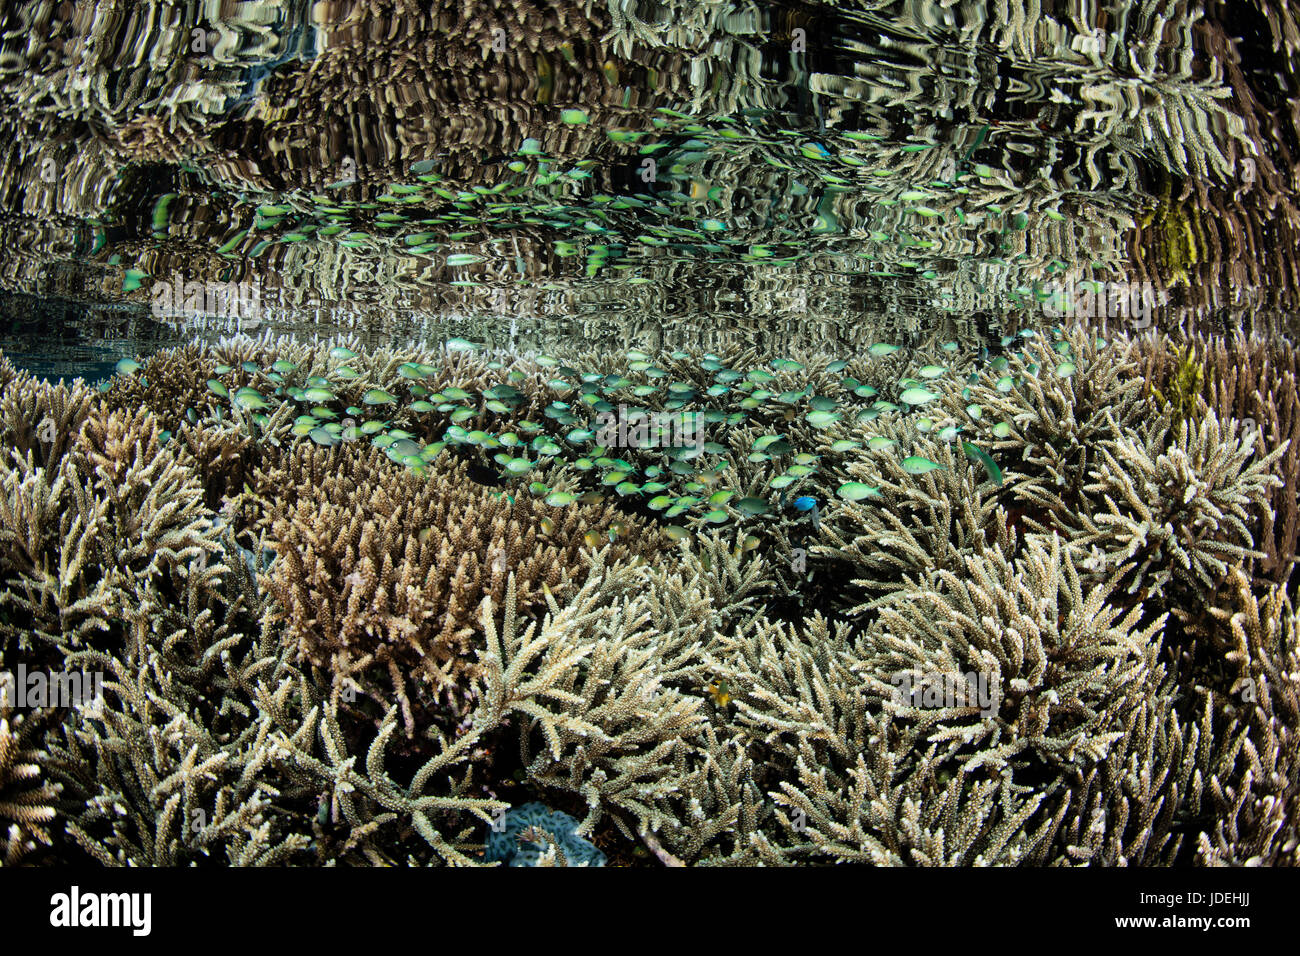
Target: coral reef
951, 587
105, 530
1058, 406
932, 609
1255, 820
168, 383
914, 525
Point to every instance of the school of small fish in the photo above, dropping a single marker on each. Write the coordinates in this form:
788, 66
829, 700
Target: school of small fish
677, 474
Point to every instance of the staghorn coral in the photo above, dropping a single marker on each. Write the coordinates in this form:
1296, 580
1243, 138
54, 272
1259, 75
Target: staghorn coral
1254, 795
1207, 771
1175, 505
366, 817
42, 417
1089, 762
27, 798
1141, 802
155, 521
1259, 381
1253, 380
1057, 422
620, 716
212, 745
161, 787
853, 783
529, 676
169, 383
693, 702
388, 597
111, 526
1062, 665
918, 523
727, 577
225, 457
55, 591
175, 766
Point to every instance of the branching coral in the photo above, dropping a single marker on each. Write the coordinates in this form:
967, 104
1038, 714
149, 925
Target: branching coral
1207, 774
1061, 665
914, 524
1258, 381
163, 788
389, 596
27, 799
42, 418
224, 457
1176, 506
55, 590
866, 772
156, 522
211, 745
614, 662
623, 717
1057, 417
852, 783
318, 655
168, 383
84, 541
1254, 794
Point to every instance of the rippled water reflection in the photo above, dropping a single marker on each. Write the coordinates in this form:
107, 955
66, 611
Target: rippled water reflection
666, 173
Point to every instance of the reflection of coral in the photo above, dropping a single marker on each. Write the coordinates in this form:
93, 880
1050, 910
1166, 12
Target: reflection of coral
391, 592
150, 139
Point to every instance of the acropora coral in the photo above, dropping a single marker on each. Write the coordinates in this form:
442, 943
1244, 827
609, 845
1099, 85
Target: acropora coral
358, 622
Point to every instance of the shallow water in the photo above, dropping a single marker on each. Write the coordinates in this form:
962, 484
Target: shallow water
873, 299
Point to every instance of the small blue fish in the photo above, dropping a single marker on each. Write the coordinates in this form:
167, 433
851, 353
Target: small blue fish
809, 503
